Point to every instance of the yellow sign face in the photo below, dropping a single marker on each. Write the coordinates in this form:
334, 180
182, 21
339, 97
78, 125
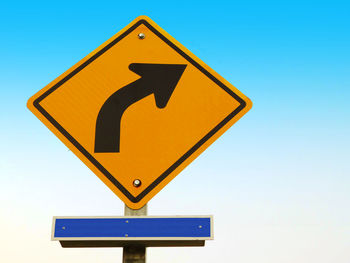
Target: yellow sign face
138, 110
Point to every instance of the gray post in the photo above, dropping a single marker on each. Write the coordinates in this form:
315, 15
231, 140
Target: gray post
134, 254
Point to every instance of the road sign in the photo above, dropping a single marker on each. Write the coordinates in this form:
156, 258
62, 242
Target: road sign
141, 230
138, 110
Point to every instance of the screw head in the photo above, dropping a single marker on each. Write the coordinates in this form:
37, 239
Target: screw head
137, 183
141, 36
199, 226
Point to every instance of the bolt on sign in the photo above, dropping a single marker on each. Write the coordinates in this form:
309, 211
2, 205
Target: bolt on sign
138, 110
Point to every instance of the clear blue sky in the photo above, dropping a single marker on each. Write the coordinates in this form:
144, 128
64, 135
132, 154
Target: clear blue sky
283, 197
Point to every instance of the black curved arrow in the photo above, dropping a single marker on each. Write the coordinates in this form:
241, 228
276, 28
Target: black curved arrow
159, 79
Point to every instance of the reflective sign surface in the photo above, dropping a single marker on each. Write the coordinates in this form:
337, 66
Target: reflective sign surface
138, 110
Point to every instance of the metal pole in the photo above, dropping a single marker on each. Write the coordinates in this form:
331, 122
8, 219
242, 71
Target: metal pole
134, 254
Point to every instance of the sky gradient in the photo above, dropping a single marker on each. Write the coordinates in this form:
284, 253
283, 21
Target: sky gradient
277, 182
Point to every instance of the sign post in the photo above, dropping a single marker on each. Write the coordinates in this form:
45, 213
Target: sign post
137, 111
134, 254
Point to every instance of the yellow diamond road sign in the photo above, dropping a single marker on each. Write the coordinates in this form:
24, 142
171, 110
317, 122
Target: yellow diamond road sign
138, 110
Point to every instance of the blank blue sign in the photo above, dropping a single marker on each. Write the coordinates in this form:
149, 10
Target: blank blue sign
144, 227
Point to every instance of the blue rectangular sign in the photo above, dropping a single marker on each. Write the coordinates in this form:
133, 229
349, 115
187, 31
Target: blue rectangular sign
133, 227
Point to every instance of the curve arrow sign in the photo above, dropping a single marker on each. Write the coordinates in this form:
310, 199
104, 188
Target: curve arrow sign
159, 79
